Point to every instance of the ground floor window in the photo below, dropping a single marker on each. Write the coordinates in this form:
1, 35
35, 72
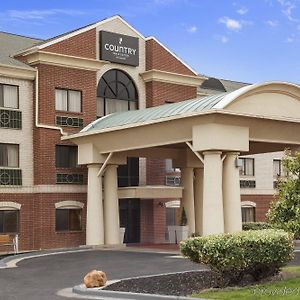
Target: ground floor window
248, 214
68, 219
9, 221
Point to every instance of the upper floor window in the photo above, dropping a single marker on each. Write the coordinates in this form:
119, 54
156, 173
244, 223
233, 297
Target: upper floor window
66, 156
278, 169
116, 92
169, 167
9, 155
68, 100
247, 166
9, 96
9, 221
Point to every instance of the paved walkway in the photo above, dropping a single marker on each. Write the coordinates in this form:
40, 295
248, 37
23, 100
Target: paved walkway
40, 278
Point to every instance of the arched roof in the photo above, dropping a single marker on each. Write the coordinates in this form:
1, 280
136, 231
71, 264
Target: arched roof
190, 107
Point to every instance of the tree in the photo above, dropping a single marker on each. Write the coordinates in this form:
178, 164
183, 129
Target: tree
285, 213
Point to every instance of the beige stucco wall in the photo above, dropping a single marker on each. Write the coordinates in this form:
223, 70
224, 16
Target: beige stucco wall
117, 26
280, 104
24, 136
263, 174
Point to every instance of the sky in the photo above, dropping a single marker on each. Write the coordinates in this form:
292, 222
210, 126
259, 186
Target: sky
248, 41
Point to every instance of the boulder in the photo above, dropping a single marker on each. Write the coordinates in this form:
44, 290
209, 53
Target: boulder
95, 279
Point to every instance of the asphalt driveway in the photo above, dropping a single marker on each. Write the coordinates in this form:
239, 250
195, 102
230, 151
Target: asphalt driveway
40, 278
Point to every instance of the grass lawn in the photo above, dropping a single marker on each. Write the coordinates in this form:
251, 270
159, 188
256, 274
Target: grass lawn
288, 289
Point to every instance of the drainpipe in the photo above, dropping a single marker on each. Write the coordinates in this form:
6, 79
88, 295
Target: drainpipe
37, 124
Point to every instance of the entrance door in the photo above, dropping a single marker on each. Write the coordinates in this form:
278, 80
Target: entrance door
130, 219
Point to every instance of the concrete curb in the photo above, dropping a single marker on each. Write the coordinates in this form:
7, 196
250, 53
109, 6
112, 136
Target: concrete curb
11, 261
98, 292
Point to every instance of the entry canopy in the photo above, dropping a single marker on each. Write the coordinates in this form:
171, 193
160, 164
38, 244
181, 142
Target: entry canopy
257, 118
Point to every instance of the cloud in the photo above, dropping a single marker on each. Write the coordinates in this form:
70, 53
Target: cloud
224, 39
242, 11
287, 9
272, 23
290, 40
231, 24
41, 14
192, 29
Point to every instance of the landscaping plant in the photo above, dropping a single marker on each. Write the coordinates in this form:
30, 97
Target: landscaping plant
256, 225
259, 253
285, 212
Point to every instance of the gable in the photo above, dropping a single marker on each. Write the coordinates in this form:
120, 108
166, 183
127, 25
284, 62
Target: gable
159, 58
81, 45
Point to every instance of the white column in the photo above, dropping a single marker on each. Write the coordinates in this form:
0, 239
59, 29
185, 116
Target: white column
187, 179
111, 206
94, 219
198, 192
231, 194
213, 218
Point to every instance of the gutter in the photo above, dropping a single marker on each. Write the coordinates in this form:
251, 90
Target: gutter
37, 124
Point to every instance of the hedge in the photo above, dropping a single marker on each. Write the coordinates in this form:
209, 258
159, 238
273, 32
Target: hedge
259, 253
256, 225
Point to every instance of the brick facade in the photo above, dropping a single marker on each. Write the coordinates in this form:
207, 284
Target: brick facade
158, 58
262, 205
159, 93
37, 213
82, 45
45, 140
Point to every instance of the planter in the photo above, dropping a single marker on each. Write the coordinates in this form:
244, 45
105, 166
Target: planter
177, 234
122, 233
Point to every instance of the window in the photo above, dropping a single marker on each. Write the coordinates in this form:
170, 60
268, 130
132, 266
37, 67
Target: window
9, 96
248, 214
247, 166
9, 221
278, 169
68, 100
9, 155
128, 175
66, 156
68, 219
169, 167
116, 92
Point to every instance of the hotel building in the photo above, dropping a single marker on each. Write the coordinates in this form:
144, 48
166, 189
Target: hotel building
51, 90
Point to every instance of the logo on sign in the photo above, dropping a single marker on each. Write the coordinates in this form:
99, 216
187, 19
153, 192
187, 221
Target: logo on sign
118, 48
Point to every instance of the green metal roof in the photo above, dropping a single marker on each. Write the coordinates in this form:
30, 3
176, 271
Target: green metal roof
155, 113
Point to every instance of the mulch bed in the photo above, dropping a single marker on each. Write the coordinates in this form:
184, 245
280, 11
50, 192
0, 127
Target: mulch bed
180, 284
177, 284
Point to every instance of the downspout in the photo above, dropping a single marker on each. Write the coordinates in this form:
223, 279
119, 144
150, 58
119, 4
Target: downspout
37, 124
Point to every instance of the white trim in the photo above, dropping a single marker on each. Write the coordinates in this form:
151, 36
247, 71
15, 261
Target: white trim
173, 204
248, 204
170, 77
76, 32
172, 53
8, 205
17, 72
67, 61
69, 204
182, 116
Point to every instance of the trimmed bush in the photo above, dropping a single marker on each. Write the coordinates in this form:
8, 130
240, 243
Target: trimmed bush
256, 226
259, 253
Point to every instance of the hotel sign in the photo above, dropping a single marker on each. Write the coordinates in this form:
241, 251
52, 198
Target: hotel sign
119, 48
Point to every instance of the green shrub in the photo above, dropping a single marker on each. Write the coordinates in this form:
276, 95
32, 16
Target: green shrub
285, 212
260, 253
256, 226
